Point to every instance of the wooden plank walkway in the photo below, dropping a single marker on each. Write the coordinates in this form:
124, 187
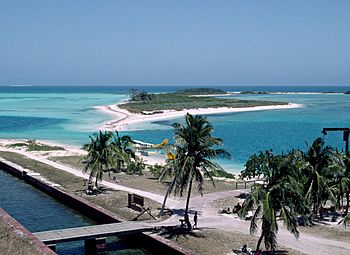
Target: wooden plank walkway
89, 232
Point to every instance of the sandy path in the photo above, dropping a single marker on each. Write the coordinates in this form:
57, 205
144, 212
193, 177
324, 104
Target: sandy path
209, 218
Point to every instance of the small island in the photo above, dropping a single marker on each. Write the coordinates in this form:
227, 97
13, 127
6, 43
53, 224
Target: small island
142, 102
144, 107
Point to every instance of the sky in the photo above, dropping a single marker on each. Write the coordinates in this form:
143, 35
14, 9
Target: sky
180, 42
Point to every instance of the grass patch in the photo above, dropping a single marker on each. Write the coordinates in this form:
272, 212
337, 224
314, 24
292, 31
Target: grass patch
12, 243
183, 101
73, 161
336, 232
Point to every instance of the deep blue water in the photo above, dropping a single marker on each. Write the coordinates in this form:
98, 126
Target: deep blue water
126, 89
67, 115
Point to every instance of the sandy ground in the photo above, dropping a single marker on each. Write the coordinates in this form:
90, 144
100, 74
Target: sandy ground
210, 219
125, 121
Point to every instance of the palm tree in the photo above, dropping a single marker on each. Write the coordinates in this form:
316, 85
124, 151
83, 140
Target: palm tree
346, 161
98, 159
341, 181
195, 147
257, 165
105, 152
123, 152
317, 172
279, 199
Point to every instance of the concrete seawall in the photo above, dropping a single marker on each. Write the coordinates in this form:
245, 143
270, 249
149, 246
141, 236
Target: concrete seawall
157, 244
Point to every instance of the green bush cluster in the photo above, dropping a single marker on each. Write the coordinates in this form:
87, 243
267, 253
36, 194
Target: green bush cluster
135, 167
221, 173
155, 170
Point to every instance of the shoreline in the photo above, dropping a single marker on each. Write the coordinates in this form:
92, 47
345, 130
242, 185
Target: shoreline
69, 150
125, 120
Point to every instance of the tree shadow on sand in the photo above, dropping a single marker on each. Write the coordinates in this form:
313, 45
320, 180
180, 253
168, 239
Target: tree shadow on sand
176, 232
242, 195
278, 252
178, 212
99, 191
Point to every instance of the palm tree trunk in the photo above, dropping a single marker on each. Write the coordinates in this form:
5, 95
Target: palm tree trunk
96, 181
166, 197
259, 241
347, 202
187, 220
315, 205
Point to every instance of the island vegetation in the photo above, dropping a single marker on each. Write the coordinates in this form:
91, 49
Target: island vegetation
201, 91
141, 101
254, 92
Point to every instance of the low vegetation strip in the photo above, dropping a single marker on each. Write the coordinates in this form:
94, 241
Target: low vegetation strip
16, 239
32, 145
181, 101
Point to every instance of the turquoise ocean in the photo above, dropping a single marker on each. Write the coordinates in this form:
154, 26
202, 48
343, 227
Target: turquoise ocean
67, 115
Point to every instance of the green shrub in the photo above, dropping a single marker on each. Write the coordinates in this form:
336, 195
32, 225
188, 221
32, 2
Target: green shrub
15, 145
155, 170
34, 146
221, 173
135, 167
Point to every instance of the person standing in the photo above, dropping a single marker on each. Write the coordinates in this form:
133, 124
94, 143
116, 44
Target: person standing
195, 219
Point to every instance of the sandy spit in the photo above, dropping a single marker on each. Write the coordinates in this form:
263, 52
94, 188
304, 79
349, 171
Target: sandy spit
125, 120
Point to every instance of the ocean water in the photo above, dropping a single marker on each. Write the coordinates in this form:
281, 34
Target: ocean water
67, 115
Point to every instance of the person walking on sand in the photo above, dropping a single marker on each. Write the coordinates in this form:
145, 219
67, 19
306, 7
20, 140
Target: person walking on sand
195, 219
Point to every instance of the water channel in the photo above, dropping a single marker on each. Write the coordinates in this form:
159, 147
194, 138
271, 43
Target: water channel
39, 212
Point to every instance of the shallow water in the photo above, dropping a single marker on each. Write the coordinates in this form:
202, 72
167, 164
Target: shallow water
67, 115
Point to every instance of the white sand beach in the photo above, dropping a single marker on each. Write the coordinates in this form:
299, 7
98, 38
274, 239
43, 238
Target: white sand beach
125, 120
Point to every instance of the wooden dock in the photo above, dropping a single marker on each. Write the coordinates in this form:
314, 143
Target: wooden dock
91, 232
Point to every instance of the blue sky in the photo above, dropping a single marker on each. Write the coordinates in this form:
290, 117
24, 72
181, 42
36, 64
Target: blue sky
180, 42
